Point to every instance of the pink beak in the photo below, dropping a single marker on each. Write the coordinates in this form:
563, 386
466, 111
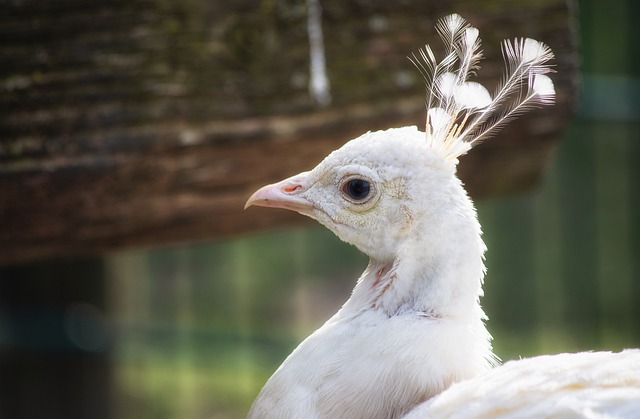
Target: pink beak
284, 194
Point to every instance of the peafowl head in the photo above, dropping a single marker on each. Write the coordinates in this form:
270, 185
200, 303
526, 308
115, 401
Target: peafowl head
386, 188
369, 191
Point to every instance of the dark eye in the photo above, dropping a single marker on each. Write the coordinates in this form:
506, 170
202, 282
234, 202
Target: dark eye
357, 189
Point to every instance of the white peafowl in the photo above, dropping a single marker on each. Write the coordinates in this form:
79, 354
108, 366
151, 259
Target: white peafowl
413, 324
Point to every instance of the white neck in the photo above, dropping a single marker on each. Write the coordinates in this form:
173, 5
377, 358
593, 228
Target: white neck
438, 270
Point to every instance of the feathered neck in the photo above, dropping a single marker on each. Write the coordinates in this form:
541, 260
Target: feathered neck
438, 270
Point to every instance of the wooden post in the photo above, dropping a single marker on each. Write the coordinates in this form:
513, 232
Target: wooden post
140, 123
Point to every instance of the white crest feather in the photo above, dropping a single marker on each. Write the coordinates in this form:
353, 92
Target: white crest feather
439, 119
543, 87
472, 95
446, 84
460, 112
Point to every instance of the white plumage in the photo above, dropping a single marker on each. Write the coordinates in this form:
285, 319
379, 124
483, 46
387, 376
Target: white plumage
413, 324
584, 385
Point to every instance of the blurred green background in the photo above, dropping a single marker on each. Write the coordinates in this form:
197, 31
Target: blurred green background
195, 331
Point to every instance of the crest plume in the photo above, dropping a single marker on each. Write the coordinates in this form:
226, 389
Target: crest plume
460, 112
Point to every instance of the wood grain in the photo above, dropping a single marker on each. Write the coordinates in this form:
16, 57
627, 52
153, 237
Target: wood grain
144, 123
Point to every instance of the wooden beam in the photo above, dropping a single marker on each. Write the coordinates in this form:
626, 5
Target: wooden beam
140, 123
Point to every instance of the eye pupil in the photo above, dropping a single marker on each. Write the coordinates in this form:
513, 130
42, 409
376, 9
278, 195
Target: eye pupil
357, 189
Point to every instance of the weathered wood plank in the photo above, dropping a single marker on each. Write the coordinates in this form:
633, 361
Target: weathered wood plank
140, 123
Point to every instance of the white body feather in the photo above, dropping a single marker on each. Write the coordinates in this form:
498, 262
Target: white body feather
582, 385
